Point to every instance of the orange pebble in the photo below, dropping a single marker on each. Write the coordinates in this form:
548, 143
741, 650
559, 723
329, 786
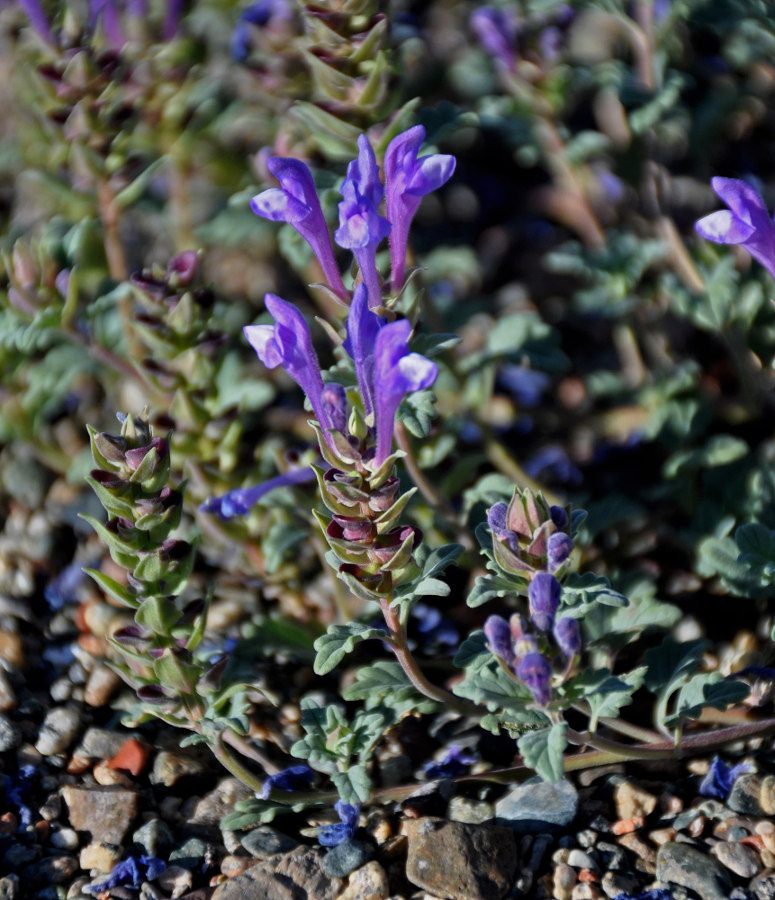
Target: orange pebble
132, 757
8, 823
627, 826
589, 876
78, 765
753, 840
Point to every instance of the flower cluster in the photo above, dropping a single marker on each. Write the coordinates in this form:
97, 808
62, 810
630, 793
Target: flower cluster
530, 542
408, 178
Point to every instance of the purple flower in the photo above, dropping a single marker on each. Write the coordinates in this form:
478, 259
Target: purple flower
499, 638
363, 326
63, 589
361, 227
559, 517
567, 633
496, 30
108, 11
653, 894
240, 501
130, 871
293, 778
397, 372
296, 202
333, 835
720, 778
37, 19
454, 763
433, 626
544, 599
288, 343
525, 385
407, 180
535, 672
262, 14
746, 222
559, 548
553, 462
334, 398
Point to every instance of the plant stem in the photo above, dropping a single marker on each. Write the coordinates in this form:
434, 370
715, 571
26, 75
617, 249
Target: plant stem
239, 743
233, 765
412, 670
434, 498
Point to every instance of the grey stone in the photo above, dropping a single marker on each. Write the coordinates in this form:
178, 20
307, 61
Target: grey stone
538, 806
738, 858
613, 857
58, 730
263, 842
763, 886
578, 859
105, 812
744, 796
101, 743
367, 883
460, 861
691, 868
345, 858
169, 768
211, 808
190, 854
473, 812
615, 883
290, 876
155, 838
767, 795
10, 734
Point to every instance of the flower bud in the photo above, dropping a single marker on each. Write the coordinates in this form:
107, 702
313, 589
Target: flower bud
544, 599
559, 548
498, 634
567, 633
536, 672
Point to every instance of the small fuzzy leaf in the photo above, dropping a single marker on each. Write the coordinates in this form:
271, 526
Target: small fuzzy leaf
672, 661
338, 641
707, 689
353, 785
542, 750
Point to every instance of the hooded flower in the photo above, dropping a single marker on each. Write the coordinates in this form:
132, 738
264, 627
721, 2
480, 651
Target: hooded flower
496, 30
240, 501
535, 672
296, 202
544, 598
288, 343
361, 227
293, 778
746, 222
407, 180
333, 835
363, 326
397, 372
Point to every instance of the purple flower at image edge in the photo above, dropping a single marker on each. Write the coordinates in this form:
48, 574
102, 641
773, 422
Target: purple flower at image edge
333, 835
496, 31
720, 778
408, 178
746, 222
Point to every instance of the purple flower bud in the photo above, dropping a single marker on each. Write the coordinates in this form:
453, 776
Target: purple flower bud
544, 600
496, 30
37, 19
720, 778
334, 399
559, 548
111, 21
536, 673
498, 634
496, 519
559, 517
523, 646
240, 501
296, 202
407, 180
397, 372
361, 227
746, 222
567, 633
454, 763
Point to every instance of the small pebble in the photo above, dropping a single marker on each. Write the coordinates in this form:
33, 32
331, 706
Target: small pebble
742, 860
58, 730
100, 686
633, 801
10, 734
369, 882
264, 841
564, 881
580, 860
615, 883
345, 858
65, 839
154, 838
745, 795
176, 881
100, 856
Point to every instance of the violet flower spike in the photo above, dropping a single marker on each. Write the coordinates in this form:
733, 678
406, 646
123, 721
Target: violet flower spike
397, 372
407, 180
288, 343
567, 634
499, 638
38, 19
363, 326
296, 202
240, 501
559, 548
746, 222
361, 227
108, 11
293, 778
333, 835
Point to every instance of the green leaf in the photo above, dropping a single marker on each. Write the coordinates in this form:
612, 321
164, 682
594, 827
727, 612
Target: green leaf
473, 653
417, 412
583, 593
671, 662
493, 687
487, 587
542, 750
605, 693
338, 641
757, 549
614, 627
719, 556
113, 588
248, 813
353, 785
385, 682
704, 690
